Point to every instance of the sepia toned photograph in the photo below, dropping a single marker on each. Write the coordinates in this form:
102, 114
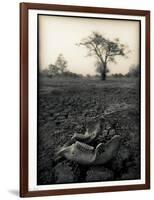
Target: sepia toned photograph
85, 99
88, 100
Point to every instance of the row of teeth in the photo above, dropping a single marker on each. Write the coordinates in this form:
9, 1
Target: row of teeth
84, 147
101, 149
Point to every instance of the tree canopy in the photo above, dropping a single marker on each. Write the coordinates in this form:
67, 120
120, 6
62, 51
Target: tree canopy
104, 50
61, 63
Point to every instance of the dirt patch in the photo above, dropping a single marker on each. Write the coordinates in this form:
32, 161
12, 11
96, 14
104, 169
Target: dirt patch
66, 107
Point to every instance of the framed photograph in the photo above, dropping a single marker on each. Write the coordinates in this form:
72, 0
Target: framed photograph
84, 99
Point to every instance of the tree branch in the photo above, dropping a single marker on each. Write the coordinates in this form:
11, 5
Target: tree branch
115, 54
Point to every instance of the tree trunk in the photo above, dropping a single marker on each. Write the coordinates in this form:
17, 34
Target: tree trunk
103, 74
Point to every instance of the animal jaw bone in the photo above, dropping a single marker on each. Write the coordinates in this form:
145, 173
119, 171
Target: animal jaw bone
89, 135
78, 152
85, 154
105, 152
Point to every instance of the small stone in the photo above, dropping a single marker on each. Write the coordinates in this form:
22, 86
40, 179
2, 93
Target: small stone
132, 173
112, 132
118, 162
124, 153
64, 173
105, 132
45, 177
99, 173
60, 118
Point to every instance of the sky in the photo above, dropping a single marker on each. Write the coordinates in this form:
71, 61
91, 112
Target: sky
59, 35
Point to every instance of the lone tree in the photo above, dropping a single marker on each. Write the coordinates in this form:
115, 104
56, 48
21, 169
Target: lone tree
104, 50
58, 68
61, 64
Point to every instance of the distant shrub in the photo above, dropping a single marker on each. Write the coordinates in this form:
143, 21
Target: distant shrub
117, 75
71, 74
46, 73
134, 71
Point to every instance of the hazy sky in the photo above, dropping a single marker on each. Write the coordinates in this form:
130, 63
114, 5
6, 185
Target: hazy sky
60, 35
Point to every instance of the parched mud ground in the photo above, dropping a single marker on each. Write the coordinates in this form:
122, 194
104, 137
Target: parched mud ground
65, 106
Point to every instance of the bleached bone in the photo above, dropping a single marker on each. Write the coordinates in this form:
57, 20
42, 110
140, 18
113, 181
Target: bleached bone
89, 135
85, 154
